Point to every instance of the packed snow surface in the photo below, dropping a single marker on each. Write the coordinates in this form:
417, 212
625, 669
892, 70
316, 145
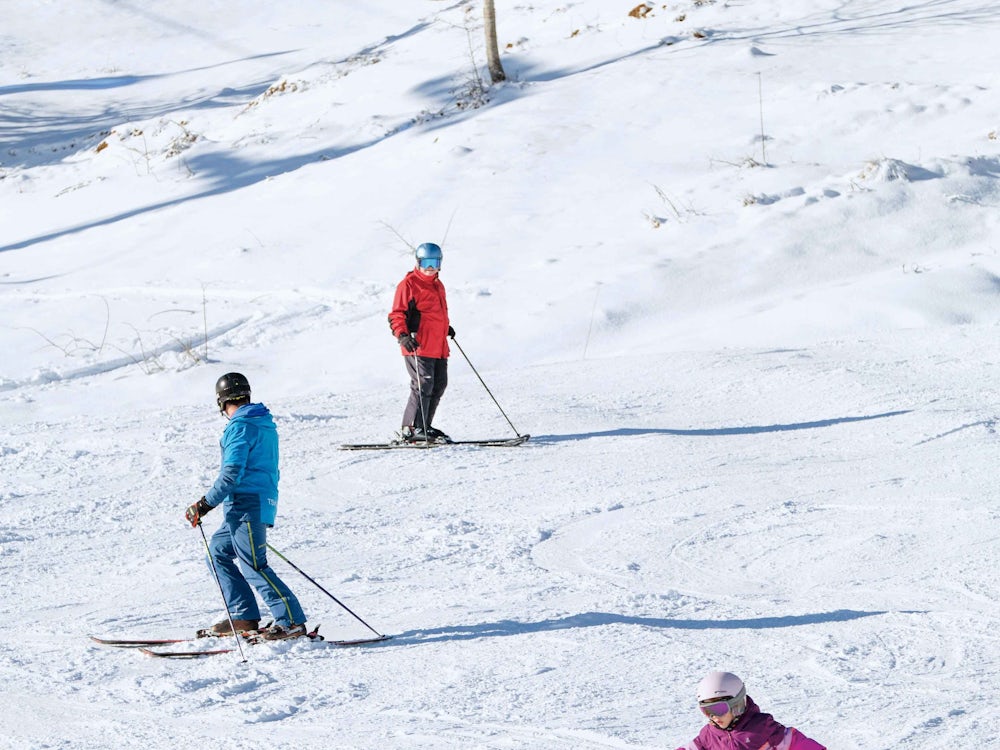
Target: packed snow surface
732, 265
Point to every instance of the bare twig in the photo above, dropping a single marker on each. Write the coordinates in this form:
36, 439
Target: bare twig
593, 312
447, 229
147, 362
401, 237
204, 317
760, 99
107, 324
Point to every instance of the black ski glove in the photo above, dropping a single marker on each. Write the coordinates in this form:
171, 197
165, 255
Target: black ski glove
194, 512
451, 332
407, 341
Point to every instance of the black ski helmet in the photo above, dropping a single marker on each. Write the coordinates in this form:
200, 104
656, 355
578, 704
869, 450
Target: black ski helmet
232, 386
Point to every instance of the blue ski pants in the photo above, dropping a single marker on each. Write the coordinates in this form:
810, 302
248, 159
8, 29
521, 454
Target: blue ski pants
239, 550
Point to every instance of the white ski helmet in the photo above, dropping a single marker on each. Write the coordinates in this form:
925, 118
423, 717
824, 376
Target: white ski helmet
723, 686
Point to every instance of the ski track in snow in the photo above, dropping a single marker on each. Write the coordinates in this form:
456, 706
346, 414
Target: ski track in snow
609, 552
760, 386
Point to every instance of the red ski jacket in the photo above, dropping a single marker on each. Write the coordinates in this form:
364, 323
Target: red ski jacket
420, 307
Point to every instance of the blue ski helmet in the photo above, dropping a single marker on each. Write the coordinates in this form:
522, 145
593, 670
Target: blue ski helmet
429, 250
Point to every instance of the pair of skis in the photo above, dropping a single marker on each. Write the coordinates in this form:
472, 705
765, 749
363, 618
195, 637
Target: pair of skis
498, 442
168, 648
491, 443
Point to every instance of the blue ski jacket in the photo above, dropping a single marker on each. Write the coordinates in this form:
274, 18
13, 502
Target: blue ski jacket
249, 461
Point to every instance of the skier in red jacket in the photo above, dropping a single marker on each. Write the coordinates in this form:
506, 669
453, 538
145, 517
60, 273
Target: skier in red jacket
419, 321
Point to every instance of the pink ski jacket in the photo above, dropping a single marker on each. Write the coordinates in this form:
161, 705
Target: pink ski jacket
754, 731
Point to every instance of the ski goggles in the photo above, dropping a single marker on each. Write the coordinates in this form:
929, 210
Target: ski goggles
718, 708
430, 263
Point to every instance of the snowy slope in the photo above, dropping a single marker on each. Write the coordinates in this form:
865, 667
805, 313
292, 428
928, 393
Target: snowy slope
759, 372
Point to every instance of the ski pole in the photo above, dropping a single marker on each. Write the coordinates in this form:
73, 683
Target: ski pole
420, 395
218, 581
486, 387
314, 583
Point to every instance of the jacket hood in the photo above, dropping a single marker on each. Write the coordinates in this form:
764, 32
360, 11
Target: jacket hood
751, 710
256, 413
754, 729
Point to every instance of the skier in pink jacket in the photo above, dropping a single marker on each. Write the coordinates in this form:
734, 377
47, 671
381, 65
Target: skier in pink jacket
735, 721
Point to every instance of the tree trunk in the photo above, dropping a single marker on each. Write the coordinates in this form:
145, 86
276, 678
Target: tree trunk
492, 52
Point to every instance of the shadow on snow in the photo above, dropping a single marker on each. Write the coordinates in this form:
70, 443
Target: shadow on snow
716, 431
224, 172
28, 130
598, 619
931, 14
232, 174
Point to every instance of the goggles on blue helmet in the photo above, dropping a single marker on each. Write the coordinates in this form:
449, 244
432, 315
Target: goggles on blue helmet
429, 255
428, 250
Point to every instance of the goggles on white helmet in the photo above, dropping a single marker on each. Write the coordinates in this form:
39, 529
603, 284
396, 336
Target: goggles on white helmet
722, 692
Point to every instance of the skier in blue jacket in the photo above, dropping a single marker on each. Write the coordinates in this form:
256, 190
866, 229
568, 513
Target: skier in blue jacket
247, 488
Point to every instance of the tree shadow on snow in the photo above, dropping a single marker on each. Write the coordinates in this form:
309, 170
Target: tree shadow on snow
32, 136
714, 431
221, 171
599, 619
224, 173
823, 25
